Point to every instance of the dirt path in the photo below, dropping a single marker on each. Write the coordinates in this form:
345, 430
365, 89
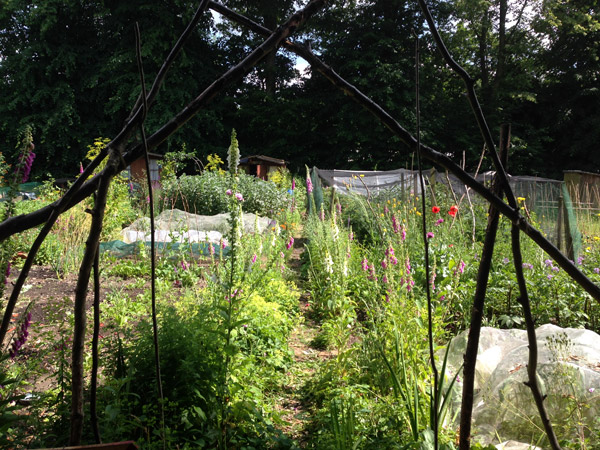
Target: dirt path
296, 406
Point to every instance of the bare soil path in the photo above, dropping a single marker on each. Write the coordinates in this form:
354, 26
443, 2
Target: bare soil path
296, 405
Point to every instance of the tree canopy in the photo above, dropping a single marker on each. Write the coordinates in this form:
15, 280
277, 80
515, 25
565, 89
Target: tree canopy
67, 67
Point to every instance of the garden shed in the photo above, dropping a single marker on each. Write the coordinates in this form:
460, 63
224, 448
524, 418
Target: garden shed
260, 166
137, 169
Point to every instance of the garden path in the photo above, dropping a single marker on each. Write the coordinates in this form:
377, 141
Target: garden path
294, 400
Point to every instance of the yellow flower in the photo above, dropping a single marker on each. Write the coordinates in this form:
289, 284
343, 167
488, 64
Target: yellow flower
596, 238
520, 199
385, 230
418, 213
588, 248
362, 175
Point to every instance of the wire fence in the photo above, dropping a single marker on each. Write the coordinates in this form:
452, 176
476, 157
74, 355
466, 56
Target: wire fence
567, 211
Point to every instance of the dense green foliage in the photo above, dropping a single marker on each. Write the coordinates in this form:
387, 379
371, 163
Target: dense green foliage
536, 67
368, 284
227, 324
206, 194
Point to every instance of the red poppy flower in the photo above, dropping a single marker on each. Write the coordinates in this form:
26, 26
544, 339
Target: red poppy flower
435, 209
453, 210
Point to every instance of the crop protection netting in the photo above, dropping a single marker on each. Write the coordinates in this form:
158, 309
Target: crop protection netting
546, 201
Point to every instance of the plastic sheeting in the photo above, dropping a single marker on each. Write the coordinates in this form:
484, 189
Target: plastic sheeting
130, 236
504, 409
180, 231
365, 181
174, 225
120, 249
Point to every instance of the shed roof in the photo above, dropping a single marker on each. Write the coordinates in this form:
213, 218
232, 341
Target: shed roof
257, 159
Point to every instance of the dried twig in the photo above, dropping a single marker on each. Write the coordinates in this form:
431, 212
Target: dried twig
501, 175
166, 65
470, 356
435, 400
91, 249
432, 155
24, 222
532, 381
96, 333
161, 398
474, 102
80, 189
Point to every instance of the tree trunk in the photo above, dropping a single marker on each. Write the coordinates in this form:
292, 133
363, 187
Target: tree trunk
270, 67
501, 64
483, 56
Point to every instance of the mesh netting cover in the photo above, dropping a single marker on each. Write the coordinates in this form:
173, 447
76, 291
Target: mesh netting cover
180, 231
367, 181
504, 409
547, 201
120, 249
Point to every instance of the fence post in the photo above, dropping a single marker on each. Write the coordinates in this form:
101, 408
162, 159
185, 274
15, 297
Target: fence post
403, 188
559, 220
568, 237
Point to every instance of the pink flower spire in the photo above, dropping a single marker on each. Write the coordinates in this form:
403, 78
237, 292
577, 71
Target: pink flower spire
27, 165
395, 224
365, 264
21, 337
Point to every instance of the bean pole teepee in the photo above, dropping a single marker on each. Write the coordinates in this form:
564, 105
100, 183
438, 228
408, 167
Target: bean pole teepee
123, 150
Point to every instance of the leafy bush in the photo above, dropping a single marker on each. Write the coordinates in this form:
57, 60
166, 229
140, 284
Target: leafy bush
189, 373
205, 194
